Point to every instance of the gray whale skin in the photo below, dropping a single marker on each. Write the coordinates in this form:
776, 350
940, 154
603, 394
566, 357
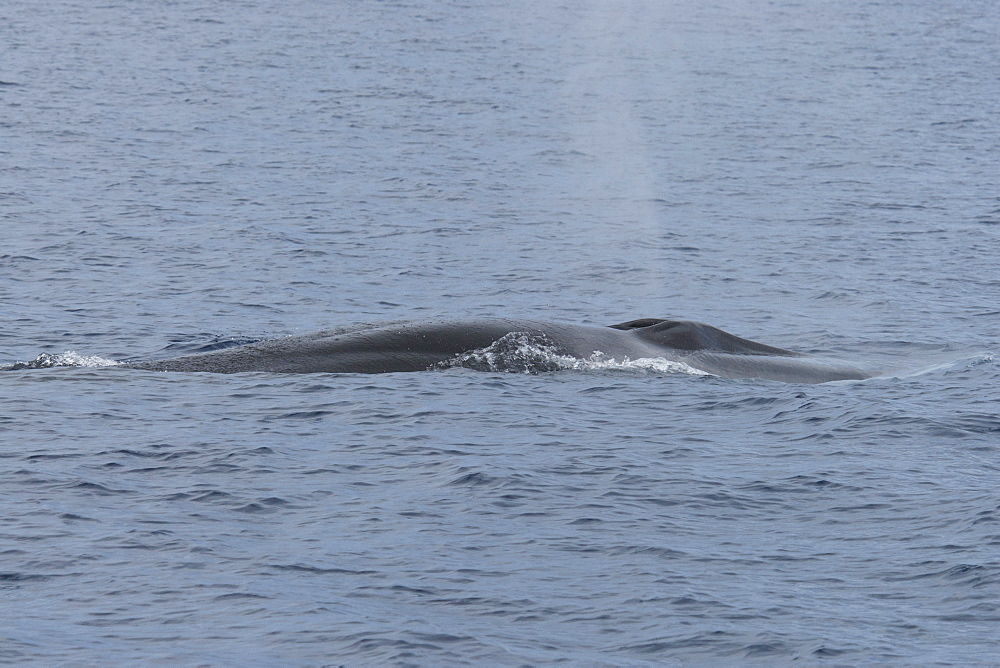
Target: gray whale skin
419, 346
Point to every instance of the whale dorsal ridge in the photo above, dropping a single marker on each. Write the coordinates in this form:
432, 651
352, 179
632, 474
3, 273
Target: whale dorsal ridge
637, 324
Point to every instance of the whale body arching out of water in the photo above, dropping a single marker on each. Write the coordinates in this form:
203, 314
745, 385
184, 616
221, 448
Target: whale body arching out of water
423, 345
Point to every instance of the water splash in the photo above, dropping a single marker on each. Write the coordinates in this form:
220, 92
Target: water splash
68, 358
520, 352
650, 364
516, 352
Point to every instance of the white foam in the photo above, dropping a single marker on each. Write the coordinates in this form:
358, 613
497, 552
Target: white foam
68, 358
72, 358
653, 364
520, 352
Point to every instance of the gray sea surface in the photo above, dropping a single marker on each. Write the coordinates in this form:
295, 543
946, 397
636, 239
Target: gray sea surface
182, 175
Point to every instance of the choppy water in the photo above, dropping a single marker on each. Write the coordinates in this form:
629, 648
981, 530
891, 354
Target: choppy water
816, 176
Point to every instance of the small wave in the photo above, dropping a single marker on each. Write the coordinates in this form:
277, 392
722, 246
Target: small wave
521, 352
949, 364
68, 358
213, 343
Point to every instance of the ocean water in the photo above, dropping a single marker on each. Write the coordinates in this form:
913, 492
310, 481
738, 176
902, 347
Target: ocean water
177, 176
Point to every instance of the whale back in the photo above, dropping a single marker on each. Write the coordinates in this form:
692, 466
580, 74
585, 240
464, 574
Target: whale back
407, 346
417, 346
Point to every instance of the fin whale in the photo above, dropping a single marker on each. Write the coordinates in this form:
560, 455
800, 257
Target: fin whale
422, 345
